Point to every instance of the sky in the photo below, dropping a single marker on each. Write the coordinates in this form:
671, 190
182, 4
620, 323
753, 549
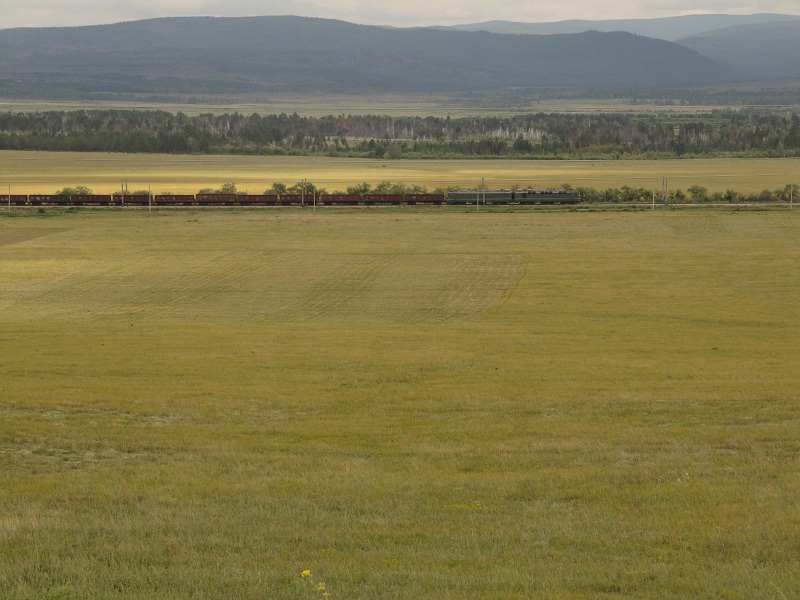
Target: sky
400, 13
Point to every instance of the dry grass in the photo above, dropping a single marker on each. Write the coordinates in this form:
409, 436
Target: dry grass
409, 404
47, 172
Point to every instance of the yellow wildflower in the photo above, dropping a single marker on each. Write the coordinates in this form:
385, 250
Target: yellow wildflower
306, 573
321, 587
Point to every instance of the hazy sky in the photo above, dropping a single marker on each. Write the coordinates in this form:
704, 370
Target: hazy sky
52, 13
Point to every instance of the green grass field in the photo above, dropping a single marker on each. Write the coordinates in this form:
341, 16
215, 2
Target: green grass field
47, 172
408, 404
321, 105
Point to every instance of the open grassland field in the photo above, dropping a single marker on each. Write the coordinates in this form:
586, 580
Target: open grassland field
47, 172
409, 405
302, 104
399, 105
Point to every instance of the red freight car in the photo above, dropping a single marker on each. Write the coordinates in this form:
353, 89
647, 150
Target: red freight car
14, 200
131, 199
424, 198
173, 199
340, 199
257, 199
49, 200
290, 199
90, 200
383, 198
216, 199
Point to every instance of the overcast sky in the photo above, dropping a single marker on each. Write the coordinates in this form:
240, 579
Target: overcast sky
52, 13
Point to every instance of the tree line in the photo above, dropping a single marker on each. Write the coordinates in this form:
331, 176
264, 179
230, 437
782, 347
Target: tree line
621, 195
539, 135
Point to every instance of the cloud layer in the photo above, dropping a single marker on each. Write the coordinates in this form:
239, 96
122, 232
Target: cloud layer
52, 13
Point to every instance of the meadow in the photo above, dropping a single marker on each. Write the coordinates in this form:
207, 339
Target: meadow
321, 105
47, 172
399, 404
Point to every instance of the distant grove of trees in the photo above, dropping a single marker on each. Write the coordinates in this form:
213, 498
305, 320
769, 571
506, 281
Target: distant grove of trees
540, 135
695, 194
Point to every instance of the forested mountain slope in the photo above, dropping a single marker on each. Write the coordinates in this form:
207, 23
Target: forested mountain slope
767, 50
229, 55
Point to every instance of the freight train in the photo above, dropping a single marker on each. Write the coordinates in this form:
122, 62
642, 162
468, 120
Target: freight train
462, 197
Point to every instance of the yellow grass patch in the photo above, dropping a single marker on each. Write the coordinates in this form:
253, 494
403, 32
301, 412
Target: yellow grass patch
47, 172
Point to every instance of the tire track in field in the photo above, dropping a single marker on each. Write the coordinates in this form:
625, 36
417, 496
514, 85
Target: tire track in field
152, 286
341, 286
212, 285
476, 283
696, 223
72, 290
412, 288
253, 286
16, 235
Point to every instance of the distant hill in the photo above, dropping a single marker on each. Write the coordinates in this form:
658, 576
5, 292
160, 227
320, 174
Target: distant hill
666, 28
766, 50
258, 54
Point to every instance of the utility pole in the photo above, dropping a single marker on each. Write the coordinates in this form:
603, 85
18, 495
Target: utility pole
303, 192
478, 196
149, 200
9, 197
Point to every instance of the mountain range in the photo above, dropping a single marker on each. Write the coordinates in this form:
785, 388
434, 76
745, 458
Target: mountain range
205, 55
758, 47
664, 28
760, 51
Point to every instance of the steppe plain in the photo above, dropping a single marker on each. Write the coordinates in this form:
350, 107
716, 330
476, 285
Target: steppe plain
409, 403
399, 403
